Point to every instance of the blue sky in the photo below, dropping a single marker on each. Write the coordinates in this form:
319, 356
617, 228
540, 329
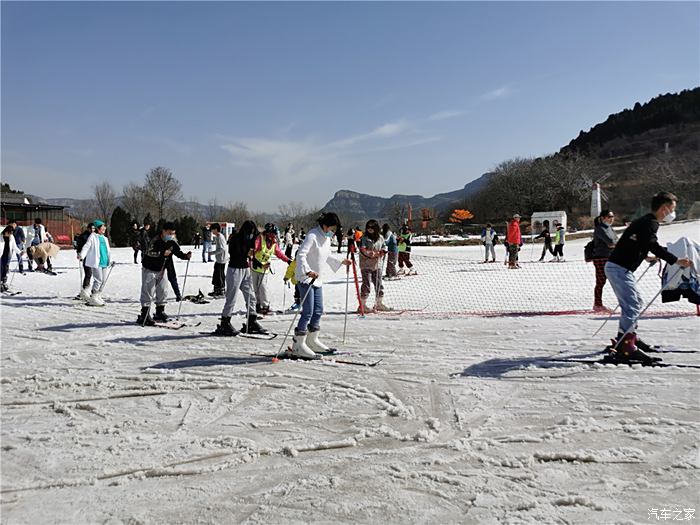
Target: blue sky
273, 102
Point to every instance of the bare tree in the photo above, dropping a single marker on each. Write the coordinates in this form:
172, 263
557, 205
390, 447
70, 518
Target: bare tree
105, 200
236, 212
162, 189
212, 212
398, 215
135, 201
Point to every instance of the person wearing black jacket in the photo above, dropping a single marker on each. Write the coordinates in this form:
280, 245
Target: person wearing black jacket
630, 251
80, 241
154, 261
547, 236
241, 248
144, 239
604, 240
135, 240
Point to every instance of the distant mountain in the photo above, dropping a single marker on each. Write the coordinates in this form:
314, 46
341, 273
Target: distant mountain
359, 206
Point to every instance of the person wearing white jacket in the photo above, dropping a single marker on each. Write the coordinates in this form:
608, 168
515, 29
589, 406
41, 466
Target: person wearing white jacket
313, 254
96, 254
9, 251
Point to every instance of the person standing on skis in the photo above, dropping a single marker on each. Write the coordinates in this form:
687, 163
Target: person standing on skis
630, 251
153, 285
488, 235
372, 251
265, 246
311, 257
547, 237
241, 247
96, 254
218, 278
514, 240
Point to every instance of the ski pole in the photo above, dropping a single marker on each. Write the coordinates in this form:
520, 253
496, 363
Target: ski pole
303, 300
13, 275
184, 283
284, 295
347, 292
618, 304
104, 283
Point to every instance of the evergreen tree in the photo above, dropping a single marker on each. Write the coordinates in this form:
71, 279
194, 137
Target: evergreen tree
186, 226
120, 224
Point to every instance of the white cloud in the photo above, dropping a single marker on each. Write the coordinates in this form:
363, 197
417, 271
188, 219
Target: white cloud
501, 92
447, 114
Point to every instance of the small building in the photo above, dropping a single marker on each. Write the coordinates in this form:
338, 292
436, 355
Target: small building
16, 206
554, 217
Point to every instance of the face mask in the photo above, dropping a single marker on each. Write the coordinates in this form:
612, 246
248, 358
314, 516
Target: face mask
330, 234
670, 217
168, 238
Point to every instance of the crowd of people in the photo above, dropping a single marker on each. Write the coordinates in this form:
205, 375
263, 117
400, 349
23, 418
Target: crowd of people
376, 250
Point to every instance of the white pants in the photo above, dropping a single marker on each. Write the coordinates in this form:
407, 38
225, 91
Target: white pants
260, 287
98, 275
489, 247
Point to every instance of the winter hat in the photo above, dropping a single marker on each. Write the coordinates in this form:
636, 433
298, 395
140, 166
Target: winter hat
516, 216
97, 223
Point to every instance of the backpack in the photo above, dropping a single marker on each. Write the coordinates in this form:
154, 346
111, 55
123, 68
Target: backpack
588, 251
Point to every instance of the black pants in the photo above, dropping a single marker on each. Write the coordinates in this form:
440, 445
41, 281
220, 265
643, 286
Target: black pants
87, 276
546, 248
4, 268
172, 277
559, 250
218, 278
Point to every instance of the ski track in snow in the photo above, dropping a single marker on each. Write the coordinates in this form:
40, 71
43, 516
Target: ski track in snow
462, 421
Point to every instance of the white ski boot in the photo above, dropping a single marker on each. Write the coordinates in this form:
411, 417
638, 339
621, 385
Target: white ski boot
314, 344
300, 349
96, 299
85, 294
362, 309
379, 305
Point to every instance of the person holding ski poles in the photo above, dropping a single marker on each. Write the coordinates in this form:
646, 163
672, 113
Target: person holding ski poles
630, 251
80, 241
313, 252
265, 246
153, 266
96, 254
547, 237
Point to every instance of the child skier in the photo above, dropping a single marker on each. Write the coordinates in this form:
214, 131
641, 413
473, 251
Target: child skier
559, 241
392, 247
96, 254
154, 261
218, 278
488, 235
404, 244
372, 251
547, 237
514, 241
241, 248
265, 246
290, 276
313, 252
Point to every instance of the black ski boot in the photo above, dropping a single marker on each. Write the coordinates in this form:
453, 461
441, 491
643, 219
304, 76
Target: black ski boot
160, 314
144, 319
253, 327
3, 287
644, 347
225, 328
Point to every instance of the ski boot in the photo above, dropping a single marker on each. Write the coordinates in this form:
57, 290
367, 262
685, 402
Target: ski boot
627, 352
379, 305
253, 327
160, 314
144, 319
225, 328
95, 299
294, 307
3, 287
300, 348
315, 345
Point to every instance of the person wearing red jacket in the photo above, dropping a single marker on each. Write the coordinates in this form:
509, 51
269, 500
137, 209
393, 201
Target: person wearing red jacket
514, 241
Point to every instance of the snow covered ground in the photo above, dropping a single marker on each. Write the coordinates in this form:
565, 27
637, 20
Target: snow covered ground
463, 421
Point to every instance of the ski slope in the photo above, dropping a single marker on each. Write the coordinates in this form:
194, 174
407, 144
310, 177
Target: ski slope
463, 421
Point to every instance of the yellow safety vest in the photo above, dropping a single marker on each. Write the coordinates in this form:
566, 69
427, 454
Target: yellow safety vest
264, 254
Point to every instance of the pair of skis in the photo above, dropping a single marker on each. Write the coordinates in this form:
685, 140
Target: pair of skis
320, 356
610, 360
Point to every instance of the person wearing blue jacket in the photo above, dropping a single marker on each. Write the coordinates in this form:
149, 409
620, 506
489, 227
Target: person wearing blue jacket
392, 248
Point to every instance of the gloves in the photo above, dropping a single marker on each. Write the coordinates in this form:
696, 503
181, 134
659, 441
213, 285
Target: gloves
256, 263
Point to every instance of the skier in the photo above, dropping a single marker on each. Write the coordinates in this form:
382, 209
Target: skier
289, 240
20, 239
265, 246
514, 240
39, 237
218, 278
392, 247
404, 245
544, 234
372, 251
9, 250
313, 252
241, 247
559, 241
488, 235
289, 276
630, 251
96, 254
144, 239
604, 240
154, 260
80, 241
